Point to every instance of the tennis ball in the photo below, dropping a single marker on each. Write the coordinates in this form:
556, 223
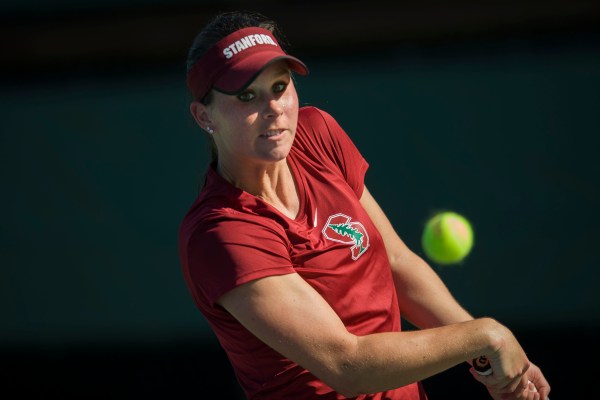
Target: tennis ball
447, 238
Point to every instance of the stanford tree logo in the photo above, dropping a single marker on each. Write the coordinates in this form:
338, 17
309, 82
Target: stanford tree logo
339, 228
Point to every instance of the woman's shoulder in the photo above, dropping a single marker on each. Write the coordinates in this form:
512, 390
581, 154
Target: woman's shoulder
218, 220
315, 125
317, 130
312, 115
221, 207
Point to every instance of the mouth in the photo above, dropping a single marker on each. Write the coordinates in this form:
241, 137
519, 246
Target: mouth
273, 134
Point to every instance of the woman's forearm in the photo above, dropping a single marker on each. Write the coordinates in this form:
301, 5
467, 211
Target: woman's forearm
388, 360
424, 299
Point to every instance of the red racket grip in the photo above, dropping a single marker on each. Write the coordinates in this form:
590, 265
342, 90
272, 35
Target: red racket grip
482, 366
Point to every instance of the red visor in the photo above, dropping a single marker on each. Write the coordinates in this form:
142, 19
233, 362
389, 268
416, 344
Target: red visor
236, 60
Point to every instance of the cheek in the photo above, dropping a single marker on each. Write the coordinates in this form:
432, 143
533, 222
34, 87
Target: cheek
289, 104
290, 107
233, 121
292, 99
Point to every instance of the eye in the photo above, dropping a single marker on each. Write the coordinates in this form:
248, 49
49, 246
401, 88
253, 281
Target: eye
280, 87
246, 96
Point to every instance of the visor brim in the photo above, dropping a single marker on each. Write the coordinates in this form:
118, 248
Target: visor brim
239, 77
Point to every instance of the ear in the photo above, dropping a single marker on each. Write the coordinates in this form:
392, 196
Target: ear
200, 114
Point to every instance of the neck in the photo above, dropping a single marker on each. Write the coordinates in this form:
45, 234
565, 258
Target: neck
273, 183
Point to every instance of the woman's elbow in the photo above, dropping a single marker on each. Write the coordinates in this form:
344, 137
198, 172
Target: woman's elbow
343, 368
347, 379
345, 384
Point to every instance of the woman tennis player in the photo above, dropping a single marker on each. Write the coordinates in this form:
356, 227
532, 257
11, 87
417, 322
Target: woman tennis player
290, 258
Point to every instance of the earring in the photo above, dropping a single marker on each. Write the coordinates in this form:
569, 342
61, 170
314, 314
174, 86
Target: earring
210, 130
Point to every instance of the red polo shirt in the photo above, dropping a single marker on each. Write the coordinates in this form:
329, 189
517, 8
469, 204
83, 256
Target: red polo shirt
230, 237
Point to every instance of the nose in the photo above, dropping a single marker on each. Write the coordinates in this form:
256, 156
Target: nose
274, 107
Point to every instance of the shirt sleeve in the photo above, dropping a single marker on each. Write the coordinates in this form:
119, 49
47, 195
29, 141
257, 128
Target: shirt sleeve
226, 252
332, 142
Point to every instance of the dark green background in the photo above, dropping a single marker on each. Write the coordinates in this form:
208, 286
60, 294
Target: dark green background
97, 174
99, 166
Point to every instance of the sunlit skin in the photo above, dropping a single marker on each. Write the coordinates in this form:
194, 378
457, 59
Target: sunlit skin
254, 132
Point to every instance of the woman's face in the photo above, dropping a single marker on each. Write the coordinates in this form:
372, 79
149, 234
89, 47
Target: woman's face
257, 126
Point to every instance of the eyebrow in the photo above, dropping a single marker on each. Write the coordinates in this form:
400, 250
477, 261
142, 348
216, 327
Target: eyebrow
280, 73
283, 71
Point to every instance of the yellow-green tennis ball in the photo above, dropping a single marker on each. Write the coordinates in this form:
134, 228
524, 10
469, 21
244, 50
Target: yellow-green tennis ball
447, 238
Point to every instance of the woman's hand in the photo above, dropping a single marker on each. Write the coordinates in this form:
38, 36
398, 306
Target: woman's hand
531, 386
534, 374
508, 362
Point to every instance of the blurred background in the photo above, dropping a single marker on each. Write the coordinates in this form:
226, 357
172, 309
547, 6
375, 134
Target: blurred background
490, 109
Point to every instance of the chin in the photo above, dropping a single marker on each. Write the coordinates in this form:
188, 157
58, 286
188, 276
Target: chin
277, 154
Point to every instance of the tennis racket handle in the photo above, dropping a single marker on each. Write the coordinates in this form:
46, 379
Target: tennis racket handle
482, 366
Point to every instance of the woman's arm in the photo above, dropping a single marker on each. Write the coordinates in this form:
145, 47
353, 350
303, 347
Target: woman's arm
426, 301
288, 315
